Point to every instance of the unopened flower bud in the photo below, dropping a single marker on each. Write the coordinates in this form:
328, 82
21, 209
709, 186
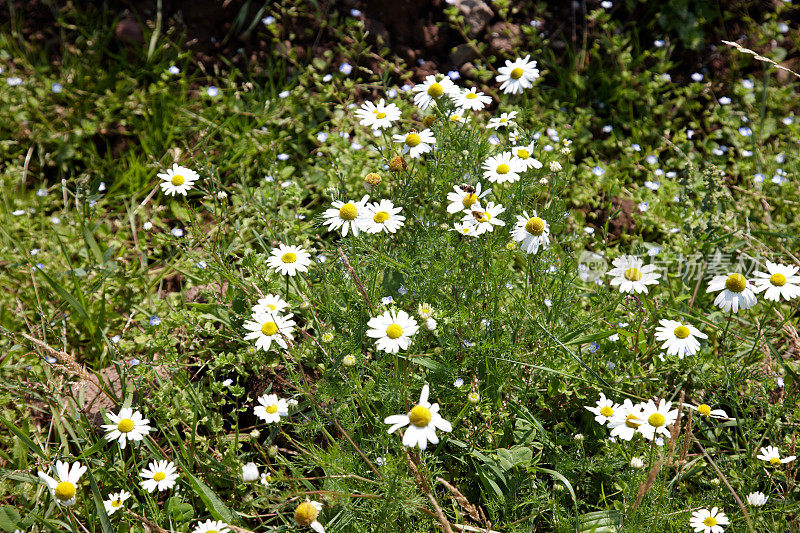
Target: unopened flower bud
272, 451
429, 120
473, 397
255, 434
349, 360
250, 472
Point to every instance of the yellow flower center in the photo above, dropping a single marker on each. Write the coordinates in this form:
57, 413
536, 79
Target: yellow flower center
116, 503
420, 416
775, 461
633, 274
413, 139
381, 217
380, 115
160, 476
779, 280
455, 118
272, 307
632, 422
681, 332
704, 409
607, 411
471, 96
373, 179
435, 90
656, 420
305, 514
269, 328
348, 211
502, 168
523, 153
469, 199
289, 257
503, 120
272, 409
212, 531
125, 425
65, 491
394, 331
709, 521
516, 73
177, 180
535, 226
736, 283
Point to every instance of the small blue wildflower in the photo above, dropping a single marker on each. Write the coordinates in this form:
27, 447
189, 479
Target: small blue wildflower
154, 320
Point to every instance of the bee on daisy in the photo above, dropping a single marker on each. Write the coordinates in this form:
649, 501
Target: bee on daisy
428, 92
502, 168
378, 116
680, 339
268, 327
115, 501
484, 220
465, 197
65, 487
347, 216
735, 292
518, 75
631, 275
383, 217
532, 232
415, 143
177, 180
127, 426
778, 282
289, 260
392, 330
422, 420
161, 475
471, 99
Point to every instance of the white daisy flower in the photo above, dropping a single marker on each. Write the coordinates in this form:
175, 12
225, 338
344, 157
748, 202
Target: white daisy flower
737, 292
772, 455
306, 515
65, 487
177, 180
625, 421
115, 501
289, 260
459, 117
383, 216
705, 521
346, 216
378, 116
631, 276
416, 143
161, 475
656, 419
680, 338
271, 409
425, 311
471, 99
268, 327
503, 121
469, 230
705, 410
393, 330
128, 425
431, 90
465, 197
423, 420
531, 232
517, 75
524, 157
604, 410
779, 281
271, 303
502, 168
211, 526
757, 499
484, 220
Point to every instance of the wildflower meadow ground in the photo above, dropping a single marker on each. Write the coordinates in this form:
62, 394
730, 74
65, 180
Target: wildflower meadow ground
549, 292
